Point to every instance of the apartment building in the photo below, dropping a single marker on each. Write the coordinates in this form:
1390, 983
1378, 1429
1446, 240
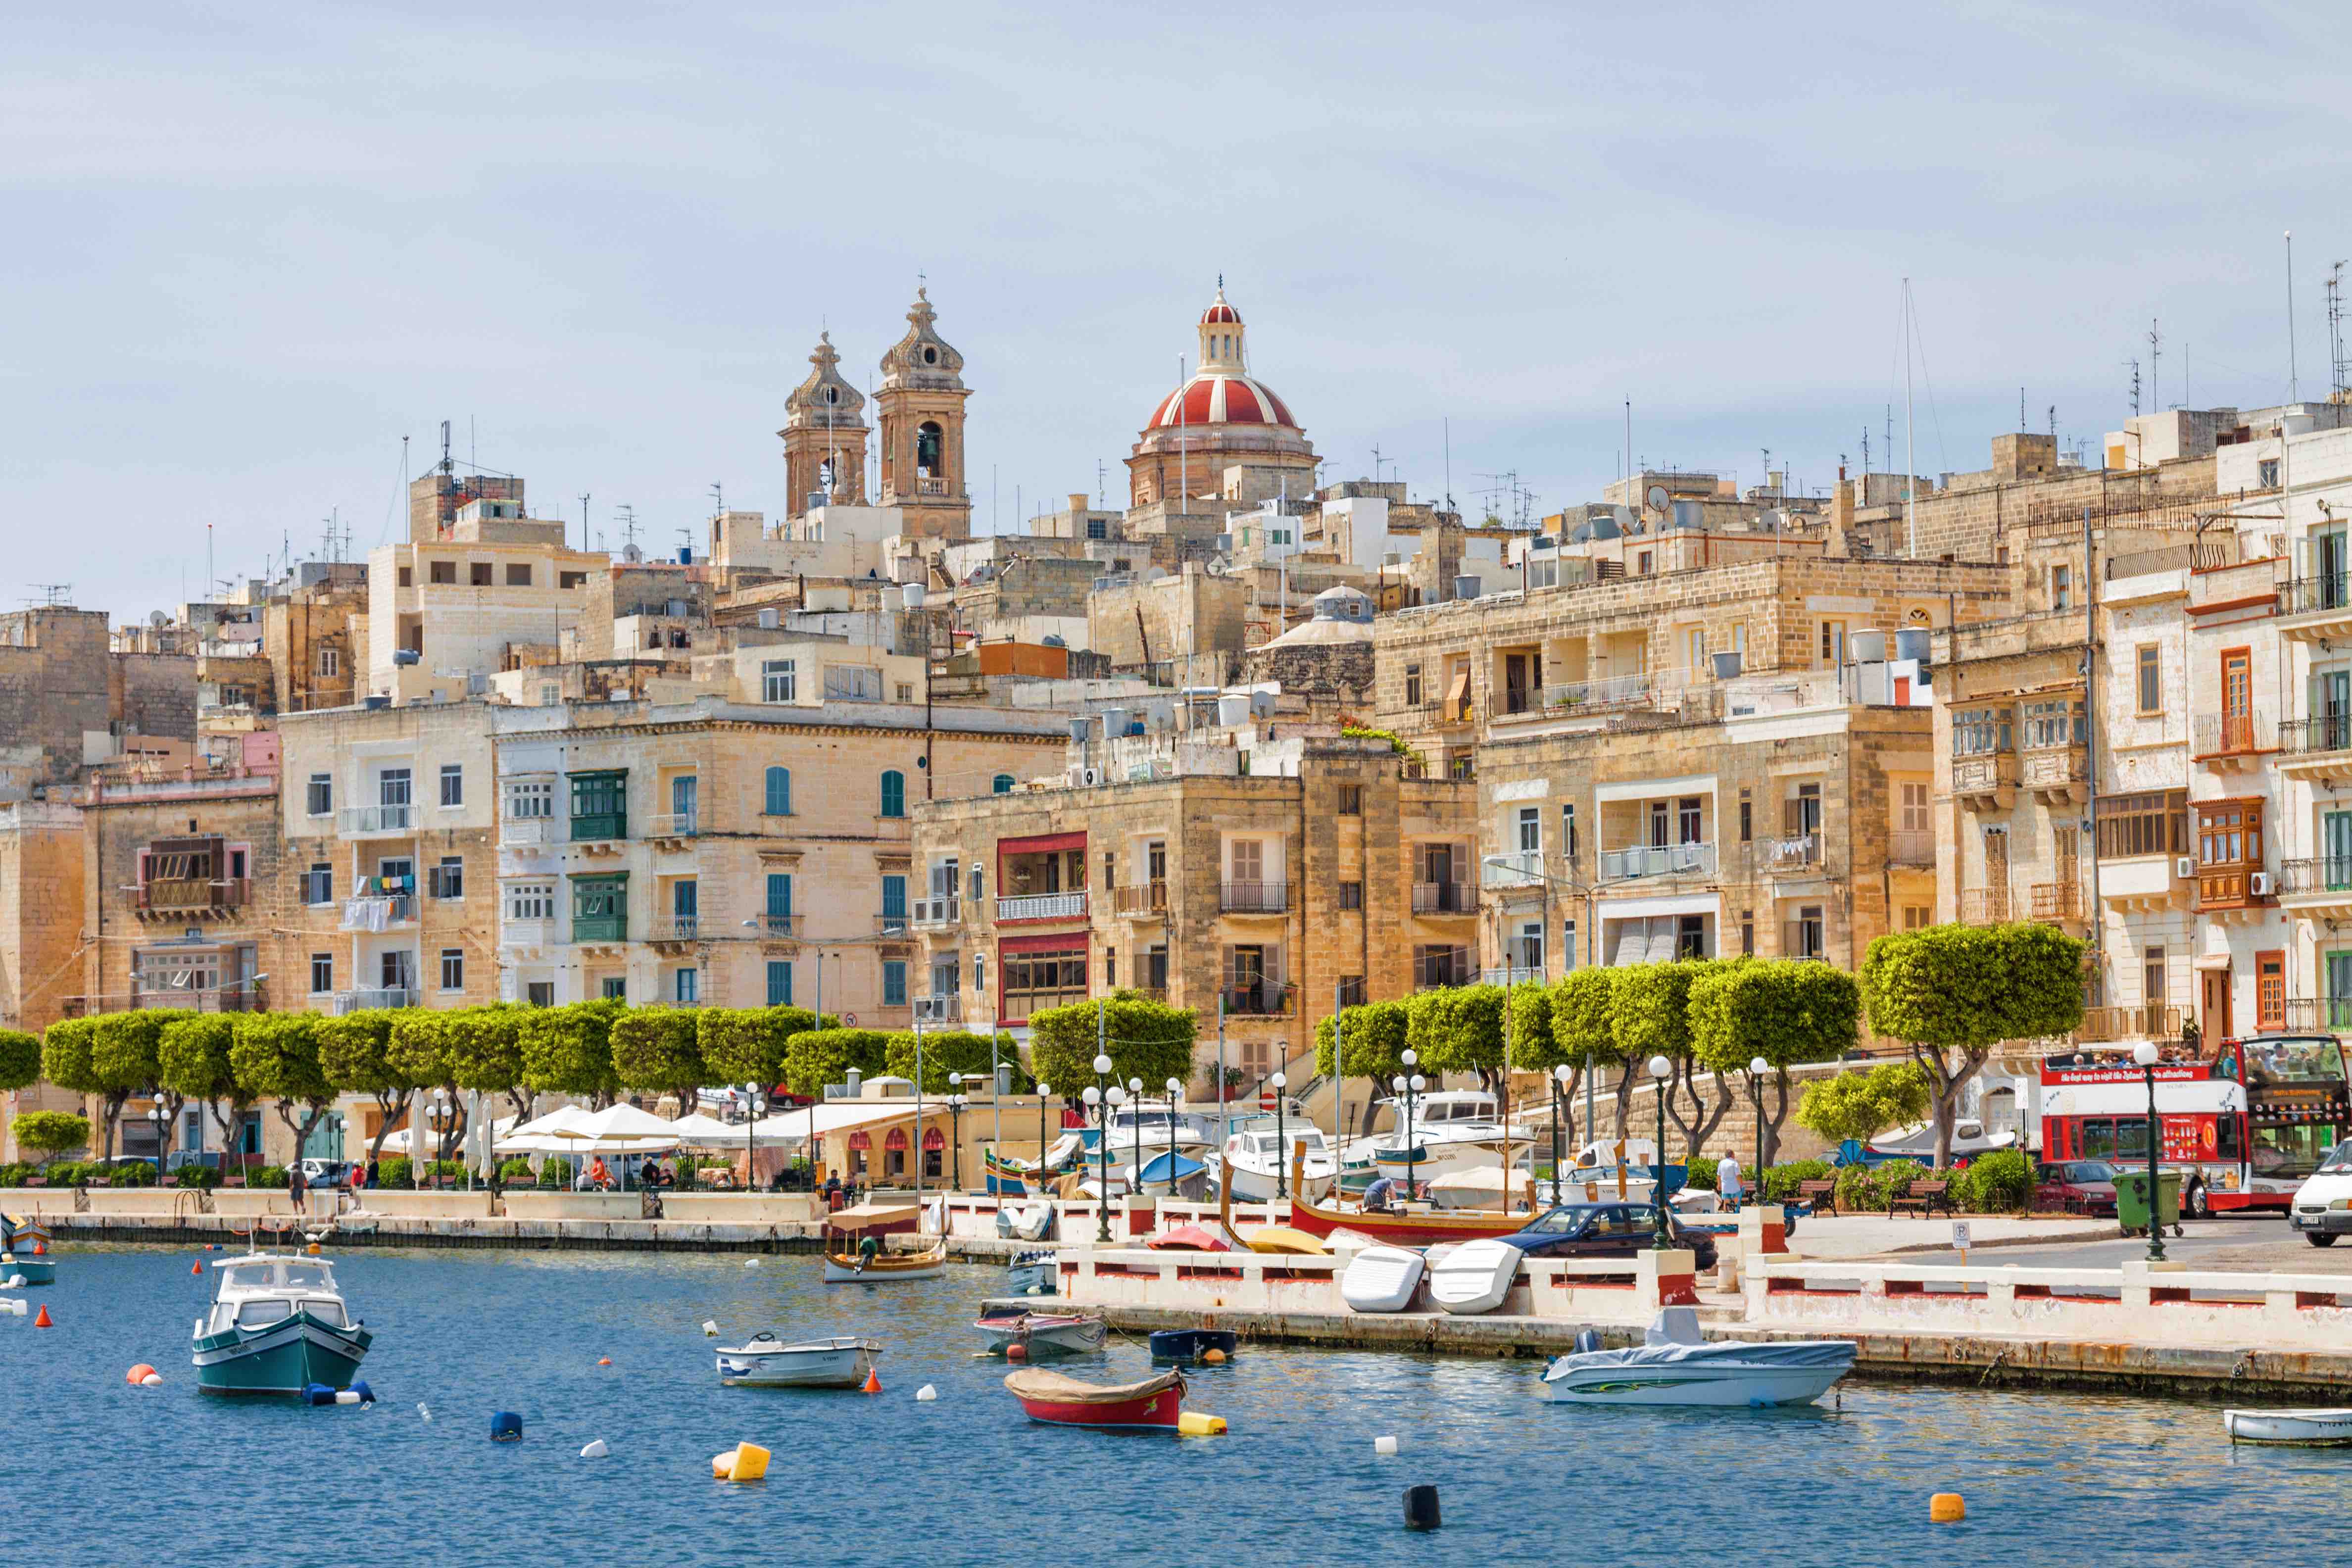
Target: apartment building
1264, 872
388, 881
71, 699
729, 852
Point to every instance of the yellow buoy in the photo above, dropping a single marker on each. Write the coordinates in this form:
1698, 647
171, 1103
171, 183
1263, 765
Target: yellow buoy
1194, 1423
1946, 1507
751, 1462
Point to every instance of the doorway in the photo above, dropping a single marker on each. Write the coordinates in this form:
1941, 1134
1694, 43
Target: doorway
2213, 1011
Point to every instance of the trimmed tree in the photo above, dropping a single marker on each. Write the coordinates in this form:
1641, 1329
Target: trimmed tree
748, 1045
50, 1133
569, 1050
355, 1052
656, 1050
948, 1051
1953, 993
126, 1052
1583, 1005
1458, 1029
815, 1057
1148, 1040
1375, 1034
1859, 1105
485, 1054
276, 1057
424, 1048
1649, 1015
1786, 1011
20, 1059
193, 1061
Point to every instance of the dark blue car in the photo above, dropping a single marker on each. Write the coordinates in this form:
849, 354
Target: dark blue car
1605, 1230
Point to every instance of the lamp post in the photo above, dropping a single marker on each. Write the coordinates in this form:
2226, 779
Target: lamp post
1044, 1089
1135, 1092
1757, 1068
1175, 1092
956, 1103
1660, 1068
2144, 1054
752, 1142
1281, 1080
157, 1116
1096, 1102
1406, 1085
1559, 1077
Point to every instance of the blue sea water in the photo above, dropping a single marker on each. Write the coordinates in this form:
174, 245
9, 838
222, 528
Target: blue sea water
97, 1471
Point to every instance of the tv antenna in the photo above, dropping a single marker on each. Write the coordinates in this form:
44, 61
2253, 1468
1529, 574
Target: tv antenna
56, 593
717, 499
627, 515
2155, 360
2135, 370
2339, 368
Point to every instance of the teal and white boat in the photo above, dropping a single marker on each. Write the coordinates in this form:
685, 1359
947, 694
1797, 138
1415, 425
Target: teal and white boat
19, 1256
277, 1325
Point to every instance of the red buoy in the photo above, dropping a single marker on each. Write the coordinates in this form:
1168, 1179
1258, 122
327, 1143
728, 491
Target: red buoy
1016, 1351
42, 1321
195, 1268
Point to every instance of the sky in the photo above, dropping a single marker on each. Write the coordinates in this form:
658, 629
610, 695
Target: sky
255, 247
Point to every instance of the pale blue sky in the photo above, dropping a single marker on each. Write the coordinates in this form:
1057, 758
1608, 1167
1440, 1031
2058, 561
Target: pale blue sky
252, 247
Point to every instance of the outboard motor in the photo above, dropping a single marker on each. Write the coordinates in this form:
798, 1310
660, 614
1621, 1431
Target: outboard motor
1587, 1341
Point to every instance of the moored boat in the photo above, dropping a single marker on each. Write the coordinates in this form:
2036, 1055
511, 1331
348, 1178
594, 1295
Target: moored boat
850, 1267
1034, 1274
1404, 1228
766, 1361
1009, 1323
2311, 1428
24, 1245
1153, 1404
1253, 1156
1191, 1344
277, 1325
1675, 1365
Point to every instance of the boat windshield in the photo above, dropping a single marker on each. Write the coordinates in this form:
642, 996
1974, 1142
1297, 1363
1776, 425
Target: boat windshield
244, 1276
309, 1275
261, 1314
327, 1310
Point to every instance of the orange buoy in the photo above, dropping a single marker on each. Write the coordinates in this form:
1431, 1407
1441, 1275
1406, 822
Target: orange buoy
873, 1378
42, 1321
1946, 1507
1016, 1351
604, 1361
39, 1248
195, 1268
139, 1373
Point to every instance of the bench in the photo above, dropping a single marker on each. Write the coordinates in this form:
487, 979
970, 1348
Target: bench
1925, 1197
1819, 1197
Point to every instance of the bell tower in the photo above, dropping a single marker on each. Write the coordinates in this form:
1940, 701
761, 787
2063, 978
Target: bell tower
824, 438
919, 406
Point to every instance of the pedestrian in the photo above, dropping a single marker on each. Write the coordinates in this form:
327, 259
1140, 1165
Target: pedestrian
1726, 1180
295, 1185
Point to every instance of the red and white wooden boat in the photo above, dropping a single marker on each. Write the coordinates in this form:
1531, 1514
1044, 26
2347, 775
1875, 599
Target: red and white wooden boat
1408, 1229
1153, 1405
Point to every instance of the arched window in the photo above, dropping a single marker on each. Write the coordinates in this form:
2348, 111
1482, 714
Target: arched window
778, 802
1004, 784
894, 793
927, 448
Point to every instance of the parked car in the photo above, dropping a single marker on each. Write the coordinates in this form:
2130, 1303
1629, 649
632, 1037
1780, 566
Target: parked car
2322, 1209
326, 1172
1605, 1230
2086, 1184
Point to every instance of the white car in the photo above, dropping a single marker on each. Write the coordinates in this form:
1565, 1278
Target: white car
2321, 1208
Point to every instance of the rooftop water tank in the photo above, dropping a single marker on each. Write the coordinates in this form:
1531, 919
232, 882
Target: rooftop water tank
1869, 648
911, 594
1466, 587
1914, 642
1233, 708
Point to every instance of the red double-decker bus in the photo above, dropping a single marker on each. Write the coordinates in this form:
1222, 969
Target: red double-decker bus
2244, 1126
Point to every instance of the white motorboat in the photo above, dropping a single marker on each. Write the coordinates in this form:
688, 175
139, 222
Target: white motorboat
1040, 1334
766, 1361
1674, 1365
1475, 1276
278, 1325
2312, 1428
1257, 1160
1381, 1280
1916, 1139
1452, 1130
1488, 1187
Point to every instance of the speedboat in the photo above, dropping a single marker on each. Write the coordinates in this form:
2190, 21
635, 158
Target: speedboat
1452, 1130
277, 1326
1674, 1365
766, 1361
1257, 1161
1009, 1323
1034, 1274
2312, 1428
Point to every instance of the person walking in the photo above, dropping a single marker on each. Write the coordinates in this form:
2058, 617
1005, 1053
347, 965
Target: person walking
296, 1185
1728, 1186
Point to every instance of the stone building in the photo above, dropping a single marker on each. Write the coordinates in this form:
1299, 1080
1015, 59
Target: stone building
1222, 437
1275, 870
69, 701
314, 635
919, 406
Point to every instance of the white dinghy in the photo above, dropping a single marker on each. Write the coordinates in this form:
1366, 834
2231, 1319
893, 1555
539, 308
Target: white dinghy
1674, 1365
2312, 1428
1475, 1276
1381, 1279
766, 1361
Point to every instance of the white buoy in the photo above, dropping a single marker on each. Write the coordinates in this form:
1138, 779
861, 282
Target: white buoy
595, 1451
926, 1393
751, 1263
342, 1395
152, 1379
711, 1328
15, 1281
1384, 1446
424, 1412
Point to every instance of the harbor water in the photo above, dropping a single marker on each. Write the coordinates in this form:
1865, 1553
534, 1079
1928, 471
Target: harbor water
98, 1471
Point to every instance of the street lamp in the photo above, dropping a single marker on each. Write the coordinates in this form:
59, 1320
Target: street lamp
956, 1103
2145, 1054
752, 1143
1175, 1091
1097, 1102
1135, 1092
1559, 1077
1281, 1080
1757, 1068
158, 1116
1044, 1089
1660, 1070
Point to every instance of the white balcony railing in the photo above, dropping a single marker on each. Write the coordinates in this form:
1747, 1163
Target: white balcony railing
936, 913
1511, 976
1610, 691
675, 825
1522, 871
1657, 861
377, 818
1044, 907
360, 1001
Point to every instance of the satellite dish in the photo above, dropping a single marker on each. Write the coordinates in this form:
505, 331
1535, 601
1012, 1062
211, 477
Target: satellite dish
158, 618
1658, 497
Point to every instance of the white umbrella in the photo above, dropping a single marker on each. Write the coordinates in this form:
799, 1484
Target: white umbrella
618, 1126
396, 1142
709, 1131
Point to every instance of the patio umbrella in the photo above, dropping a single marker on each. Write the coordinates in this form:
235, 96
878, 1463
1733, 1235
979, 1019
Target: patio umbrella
709, 1132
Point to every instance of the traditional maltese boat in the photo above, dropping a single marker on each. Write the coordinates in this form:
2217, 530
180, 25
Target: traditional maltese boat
844, 1266
1154, 1405
1406, 1229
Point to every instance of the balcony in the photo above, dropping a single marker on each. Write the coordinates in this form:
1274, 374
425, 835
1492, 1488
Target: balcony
2055, 773
1565, 698
1657, 861
2321, 886
248, 998
522, 831
2056, 903
1444, 899
1524, 869
376, 821
1265, 999
947, 1009
2316, 749
2232, 742
1141, 901
925, 485
2318, 1014
890, 923
599, 826
676, 929
673, 826
365, 1001
2313, 609
934, 914
191, 897
379, 911
1911, 846
2146, 1021
2226, 886
1985, 781
1800, 853
1984, 906
1511, 975
600, 928
773, 926
522, 934
1254, 898
1803, 938
1044, 907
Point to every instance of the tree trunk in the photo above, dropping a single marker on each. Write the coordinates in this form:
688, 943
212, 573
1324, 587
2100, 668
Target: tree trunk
393, 1105
1946, 1083
1625, 1102
1771, 1124
1704, 1121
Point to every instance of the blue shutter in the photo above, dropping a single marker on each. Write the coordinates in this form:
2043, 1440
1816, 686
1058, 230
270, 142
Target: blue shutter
780, 983
780, 894
894, 983
1004, 784
894, 897
894, 794
780, 792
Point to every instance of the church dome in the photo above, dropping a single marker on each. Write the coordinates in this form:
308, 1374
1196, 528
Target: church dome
1220, 398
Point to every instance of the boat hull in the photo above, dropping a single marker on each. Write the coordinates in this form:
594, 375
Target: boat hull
1260, 1186
886, 1270
1722, 1374
2308, 1428
35, 1270
1408, 1230
796, 1367
282, 1359
1056, 1336
1153, 1413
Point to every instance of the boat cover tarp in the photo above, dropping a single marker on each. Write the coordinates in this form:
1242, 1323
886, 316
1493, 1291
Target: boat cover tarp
1032, 1382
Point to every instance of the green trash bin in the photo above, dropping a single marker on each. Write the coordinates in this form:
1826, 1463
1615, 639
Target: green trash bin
2131, 1200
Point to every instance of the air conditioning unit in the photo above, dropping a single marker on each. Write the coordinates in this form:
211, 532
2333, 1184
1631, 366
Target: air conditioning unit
1090, 777
2259, 884
2184, 867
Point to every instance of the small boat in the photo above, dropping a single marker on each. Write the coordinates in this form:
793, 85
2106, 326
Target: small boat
1475, 1276
2312, 1428
1253, 1156
766, 1361
1189, 1238
1191, 1344
1025, 1222
277, 1326
1482, 1187
1675, 1365
1009, 1323
1282, 1238
23, 1246
849, 1269
1152, 1404
1404, 1228
1034, 1274
1381, 1280
1167, 1174
1917, 1141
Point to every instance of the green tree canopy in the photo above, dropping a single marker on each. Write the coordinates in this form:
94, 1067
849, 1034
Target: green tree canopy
948, 1051
276, 1057
657, 1050
1786, 1011
1458, 1029
51, 1133
87, 1057
1864, 1104
355, 1054
193, 1062
748, 1045
569, 1050
1145, 1039
20, 1059
1529, 1012
486, 1052
1375, 1033
815, 1057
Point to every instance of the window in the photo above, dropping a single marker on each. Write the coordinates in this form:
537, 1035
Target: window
2062, 587
2055, 723
894, 793
853, 683
600, 908
1832, 643
453, 783
780, 983
2152, 823
478, 574
1530, 830
453, 969
1746, 820
1914, 807
780, 681
572, 579
319, 797
1804, 936
1748, 933
1110, 969
1567, 831
2153, 985
322, 972
1351, 895
392, 787
1568, 949
1437, 964
686, 987
538, 993
1412, 685
2229, 850
893, 901
1694, 647
1642, 565
441, 571
1689, 814
1690, 937
530, 901
534, 799
1002, 785
408, 577
447, 880
517, 576
331, 662
1035, 981
779, 907
2266, 473
2270, 990
614, 989
1351, 991
318, 883
777, 800
600, 804
2151, 678
1917, 917
905, 691
1981, 731
1351, 800
975, 884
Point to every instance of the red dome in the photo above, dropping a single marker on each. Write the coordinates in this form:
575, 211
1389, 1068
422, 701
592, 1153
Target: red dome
1221, 312
1220, 398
